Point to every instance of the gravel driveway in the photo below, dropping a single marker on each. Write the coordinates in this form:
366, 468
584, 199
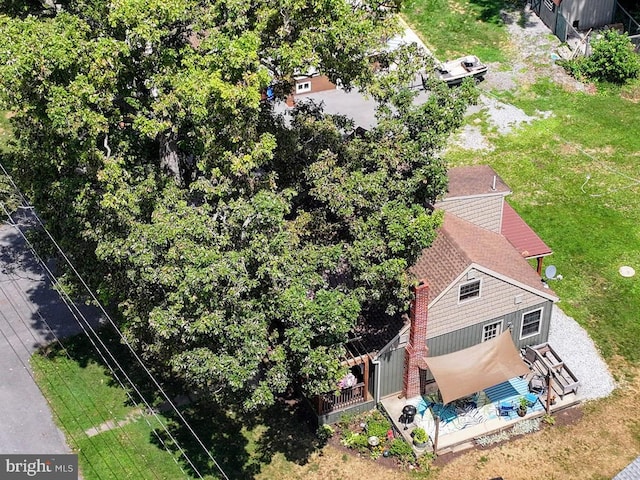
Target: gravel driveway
535, 49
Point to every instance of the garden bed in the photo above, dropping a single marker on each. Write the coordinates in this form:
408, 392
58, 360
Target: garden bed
371, 435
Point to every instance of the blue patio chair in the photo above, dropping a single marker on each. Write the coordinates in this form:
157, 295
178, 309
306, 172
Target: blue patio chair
506, 409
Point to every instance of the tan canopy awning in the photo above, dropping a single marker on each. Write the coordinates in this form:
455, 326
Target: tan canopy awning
468, 371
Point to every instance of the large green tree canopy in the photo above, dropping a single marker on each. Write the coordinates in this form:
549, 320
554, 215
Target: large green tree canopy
241, 247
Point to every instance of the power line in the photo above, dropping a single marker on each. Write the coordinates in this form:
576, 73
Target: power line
58, 340
77, 313
108, 317
53, 409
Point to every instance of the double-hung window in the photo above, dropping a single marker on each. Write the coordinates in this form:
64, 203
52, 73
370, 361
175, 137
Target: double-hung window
531, 323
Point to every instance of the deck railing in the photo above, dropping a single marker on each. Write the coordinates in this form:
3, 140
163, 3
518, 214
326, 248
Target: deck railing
349, 396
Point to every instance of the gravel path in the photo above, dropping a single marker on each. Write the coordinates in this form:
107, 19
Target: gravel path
535, 50
578, 351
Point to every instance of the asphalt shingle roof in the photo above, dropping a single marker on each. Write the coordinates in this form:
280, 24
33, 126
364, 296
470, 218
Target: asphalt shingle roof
475, 180
460, 244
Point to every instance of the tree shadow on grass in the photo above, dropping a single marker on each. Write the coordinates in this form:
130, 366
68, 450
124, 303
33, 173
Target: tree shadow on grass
288, 429
219, 431
490, 10
241, 443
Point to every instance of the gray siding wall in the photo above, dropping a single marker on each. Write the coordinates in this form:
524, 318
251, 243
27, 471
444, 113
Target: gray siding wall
391, 371
497, 298
485, 211
590, 13
392, 366
472, 335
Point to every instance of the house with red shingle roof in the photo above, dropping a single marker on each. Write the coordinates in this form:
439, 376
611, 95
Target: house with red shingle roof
473, 283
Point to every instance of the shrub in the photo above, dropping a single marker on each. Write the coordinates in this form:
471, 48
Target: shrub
355, 440
378, 425
612, 59
401, 449
324, 433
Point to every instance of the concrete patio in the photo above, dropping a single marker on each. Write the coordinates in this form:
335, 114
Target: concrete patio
460, 433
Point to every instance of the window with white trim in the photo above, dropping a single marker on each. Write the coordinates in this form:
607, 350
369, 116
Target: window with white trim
531, 322
469, 290
303, 87
491, 330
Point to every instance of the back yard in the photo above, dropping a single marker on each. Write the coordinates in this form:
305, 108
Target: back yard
576, 171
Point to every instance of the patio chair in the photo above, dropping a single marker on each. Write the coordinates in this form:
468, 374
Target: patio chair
506, 409
531, 398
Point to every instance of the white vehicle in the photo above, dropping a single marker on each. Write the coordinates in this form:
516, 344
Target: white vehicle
454, 71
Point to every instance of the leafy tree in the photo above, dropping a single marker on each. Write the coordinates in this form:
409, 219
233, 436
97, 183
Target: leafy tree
241, 247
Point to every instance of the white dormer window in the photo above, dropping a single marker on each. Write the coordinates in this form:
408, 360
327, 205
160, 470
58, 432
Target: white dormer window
303, 87
469, 290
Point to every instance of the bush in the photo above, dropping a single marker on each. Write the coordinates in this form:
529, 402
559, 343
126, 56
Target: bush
355, 440
378, 425
612, 60
324, 433
401, 449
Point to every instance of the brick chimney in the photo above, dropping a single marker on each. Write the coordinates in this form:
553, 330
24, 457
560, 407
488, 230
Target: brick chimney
416, 350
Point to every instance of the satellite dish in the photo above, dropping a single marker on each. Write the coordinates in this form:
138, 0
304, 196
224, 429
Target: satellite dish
550, 271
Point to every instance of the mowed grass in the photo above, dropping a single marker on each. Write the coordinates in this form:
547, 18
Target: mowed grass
83, 396
576, 180
452, 29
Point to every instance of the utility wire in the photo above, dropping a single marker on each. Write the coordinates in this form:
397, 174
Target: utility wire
108, 317
53, 409
77, 313
37, 341
59, 341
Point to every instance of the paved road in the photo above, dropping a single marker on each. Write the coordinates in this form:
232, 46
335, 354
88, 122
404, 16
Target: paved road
31, 312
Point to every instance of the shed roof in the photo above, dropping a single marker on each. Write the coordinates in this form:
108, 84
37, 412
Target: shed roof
521, 235
475, 180
460, 245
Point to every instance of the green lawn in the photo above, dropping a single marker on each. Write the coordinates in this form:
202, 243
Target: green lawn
83, 395
452, 29
576, 181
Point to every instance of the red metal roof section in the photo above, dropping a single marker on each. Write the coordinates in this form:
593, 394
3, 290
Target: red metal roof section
521, 236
